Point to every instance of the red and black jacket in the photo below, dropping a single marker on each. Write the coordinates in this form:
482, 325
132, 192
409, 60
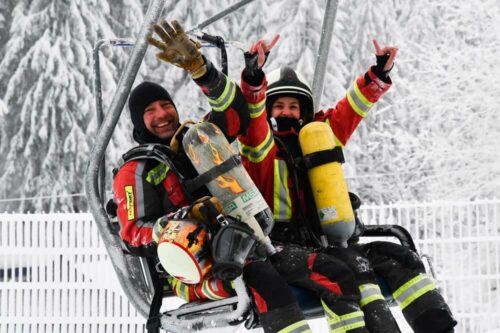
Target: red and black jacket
264, 159
145, 190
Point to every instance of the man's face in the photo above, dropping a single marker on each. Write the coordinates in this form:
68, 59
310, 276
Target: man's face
161, 119
288, 107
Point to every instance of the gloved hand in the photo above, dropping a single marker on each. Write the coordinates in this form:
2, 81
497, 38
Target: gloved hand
205, 209
158, 227
385, 59
256, 57
178, 49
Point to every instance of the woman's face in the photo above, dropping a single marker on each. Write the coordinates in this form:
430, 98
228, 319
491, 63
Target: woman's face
288, 107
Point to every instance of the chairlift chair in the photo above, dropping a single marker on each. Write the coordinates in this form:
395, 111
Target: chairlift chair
139, 276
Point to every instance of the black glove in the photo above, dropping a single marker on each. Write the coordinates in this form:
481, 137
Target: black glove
253, 70
378, 69
252, 73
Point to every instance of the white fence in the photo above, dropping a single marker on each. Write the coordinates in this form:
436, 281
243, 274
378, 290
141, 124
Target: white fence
55, 275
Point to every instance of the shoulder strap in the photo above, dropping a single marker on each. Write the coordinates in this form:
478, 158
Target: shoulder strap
165, 155
216, 171
307, 232
154, 151
320, 157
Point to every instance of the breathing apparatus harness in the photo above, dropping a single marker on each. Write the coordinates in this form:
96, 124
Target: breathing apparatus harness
308, 227
226, 234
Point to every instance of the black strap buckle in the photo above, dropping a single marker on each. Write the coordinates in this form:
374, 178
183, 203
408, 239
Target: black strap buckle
216, 171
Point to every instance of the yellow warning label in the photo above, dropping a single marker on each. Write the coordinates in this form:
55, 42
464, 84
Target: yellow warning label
129, 193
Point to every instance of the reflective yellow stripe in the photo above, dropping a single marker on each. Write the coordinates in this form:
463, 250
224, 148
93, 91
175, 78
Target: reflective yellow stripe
298, 327
225, 99
413, 289
257, 154
256, 109
282, 201
156, 175
207, 290
369, 293
180, 289
343, 323
358, 101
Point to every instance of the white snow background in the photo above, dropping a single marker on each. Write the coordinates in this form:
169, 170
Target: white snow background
434, 136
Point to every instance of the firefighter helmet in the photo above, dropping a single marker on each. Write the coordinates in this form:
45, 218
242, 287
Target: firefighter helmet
286, 82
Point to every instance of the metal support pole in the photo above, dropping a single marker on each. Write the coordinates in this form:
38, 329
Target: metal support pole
98, 103
126, 267
220, 15
99, 113
323, 50
138, 296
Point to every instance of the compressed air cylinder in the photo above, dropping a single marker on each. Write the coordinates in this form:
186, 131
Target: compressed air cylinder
207, 147
328, 185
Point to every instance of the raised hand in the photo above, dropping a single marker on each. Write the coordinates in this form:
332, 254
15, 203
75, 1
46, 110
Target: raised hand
385, 57
177, 48
256, 56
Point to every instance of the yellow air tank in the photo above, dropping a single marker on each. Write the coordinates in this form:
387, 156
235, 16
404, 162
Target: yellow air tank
328, 185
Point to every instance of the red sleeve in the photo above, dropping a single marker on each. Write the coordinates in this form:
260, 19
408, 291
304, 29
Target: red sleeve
229, 109
257, 147
130, 194
350, 110
257, 142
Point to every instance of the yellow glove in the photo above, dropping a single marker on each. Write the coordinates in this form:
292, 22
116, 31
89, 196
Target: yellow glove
206, 209
176, 48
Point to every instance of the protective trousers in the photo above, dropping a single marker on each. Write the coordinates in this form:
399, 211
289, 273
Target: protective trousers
378, 316
330, 279
276, 305
417, 295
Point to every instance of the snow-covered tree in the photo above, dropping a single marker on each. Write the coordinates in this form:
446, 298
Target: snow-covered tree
47, 130
432, 136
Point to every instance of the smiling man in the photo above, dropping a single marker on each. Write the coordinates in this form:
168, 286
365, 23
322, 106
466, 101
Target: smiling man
153, 114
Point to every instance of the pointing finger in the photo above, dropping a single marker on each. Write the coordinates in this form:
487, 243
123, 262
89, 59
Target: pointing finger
378, 51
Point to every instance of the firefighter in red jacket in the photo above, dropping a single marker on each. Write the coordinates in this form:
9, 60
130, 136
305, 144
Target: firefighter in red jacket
146, 190
268, 148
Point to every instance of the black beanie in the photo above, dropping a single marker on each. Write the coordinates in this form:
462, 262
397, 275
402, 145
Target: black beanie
140, 97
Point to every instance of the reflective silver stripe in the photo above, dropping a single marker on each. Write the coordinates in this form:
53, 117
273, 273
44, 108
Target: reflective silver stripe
413, 289
140, 223
225, 99
184, 290
358, 102
257, 154
282, 200
139, 188
348, 322
298, 327
369, 293
257, 109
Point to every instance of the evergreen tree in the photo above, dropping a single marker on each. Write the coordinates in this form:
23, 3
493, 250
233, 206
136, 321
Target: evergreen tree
49, 125
432, 136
